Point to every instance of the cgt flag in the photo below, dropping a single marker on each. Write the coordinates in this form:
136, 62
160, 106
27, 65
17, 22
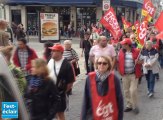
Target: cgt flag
142, 31
109, 21
148, 9
158, 23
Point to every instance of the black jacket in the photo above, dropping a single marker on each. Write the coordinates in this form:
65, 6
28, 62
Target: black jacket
44, 101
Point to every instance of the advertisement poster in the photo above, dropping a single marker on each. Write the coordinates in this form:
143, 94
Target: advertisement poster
49, 27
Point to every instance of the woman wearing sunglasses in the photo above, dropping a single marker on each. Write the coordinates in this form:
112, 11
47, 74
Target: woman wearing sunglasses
102, 95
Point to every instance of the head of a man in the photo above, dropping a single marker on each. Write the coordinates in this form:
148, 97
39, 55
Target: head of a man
126, 43
22, 43
3, 24
67, 44
86, 36
148, 45
132, 38
102, 41
57, 51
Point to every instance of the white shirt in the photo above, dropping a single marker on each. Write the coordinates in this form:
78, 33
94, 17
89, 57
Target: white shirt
57, 67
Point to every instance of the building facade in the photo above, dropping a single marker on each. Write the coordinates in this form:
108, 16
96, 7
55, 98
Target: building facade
74, 12
2, 15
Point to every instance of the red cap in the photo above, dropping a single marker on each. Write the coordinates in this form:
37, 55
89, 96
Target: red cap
126, 41
58, 47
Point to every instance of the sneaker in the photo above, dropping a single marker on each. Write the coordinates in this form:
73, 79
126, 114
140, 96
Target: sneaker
136, 111
150, 95
128, 109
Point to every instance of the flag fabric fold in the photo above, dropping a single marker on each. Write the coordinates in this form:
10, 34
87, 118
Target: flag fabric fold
159, 23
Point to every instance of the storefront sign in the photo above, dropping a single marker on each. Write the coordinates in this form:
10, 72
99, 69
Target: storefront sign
49, 27
106, 5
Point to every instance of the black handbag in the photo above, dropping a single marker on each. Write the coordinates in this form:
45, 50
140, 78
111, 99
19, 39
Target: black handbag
76, 68
76, 65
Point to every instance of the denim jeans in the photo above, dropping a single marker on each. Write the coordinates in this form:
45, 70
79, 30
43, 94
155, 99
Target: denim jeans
161, 61
150, 77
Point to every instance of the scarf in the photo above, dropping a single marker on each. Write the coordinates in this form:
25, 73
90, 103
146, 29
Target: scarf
35, 82
103, 76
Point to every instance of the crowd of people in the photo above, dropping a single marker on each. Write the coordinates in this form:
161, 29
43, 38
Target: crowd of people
48, 81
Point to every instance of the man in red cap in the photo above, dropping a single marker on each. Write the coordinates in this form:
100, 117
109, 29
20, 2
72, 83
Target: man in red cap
130, 70
58, 68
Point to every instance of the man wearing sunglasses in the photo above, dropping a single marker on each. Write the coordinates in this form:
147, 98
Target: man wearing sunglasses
130, 70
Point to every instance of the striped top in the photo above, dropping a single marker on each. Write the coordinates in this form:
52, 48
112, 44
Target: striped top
129, 63
70, 54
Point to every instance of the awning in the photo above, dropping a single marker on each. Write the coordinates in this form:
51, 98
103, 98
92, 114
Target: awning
128, 3
51, 2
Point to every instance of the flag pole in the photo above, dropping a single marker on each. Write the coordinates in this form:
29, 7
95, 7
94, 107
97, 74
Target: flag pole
142, 47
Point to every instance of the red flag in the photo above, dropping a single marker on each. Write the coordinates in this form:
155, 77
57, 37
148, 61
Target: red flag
148, 9
109, 21
126, 24
142, 32
160, 35
159, 22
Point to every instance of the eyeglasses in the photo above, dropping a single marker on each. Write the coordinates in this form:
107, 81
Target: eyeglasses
132, 38
103, 63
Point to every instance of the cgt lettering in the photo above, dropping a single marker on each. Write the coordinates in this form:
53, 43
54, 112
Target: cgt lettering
109, 17
149, 8
104, 110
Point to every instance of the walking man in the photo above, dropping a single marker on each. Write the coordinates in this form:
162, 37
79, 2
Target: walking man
61, 72
130, 70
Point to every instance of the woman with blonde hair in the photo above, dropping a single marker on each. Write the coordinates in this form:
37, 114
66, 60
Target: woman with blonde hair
102, 95
42, 92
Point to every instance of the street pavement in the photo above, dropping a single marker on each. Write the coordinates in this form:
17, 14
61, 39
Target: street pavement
150, 108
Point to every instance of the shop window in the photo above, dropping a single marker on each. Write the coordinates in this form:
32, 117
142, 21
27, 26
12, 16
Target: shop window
86, 16
32, 20
16, 16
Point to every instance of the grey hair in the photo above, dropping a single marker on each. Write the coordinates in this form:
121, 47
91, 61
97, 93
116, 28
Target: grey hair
67, 42
149, 42
100, 38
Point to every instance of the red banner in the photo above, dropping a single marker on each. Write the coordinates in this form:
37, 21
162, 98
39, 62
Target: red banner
142, 32
148, 9
109, 21
159, 23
